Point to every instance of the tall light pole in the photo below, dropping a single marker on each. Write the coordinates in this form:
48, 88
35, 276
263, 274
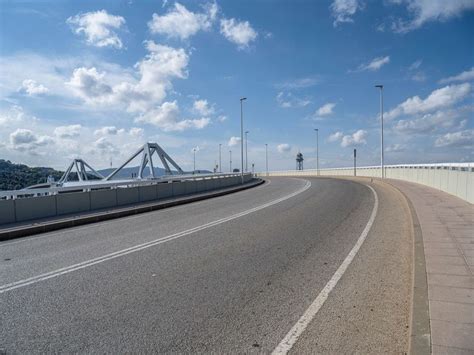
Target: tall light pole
220, 166
194, 162
242, 138
266, 158
381, 131
317, 151
246, 152
230, 160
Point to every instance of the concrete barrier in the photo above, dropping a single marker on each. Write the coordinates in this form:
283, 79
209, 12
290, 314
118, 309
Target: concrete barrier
34, 208
103, 199
147, 193
74, 202
189, 187
7, 211
127, 196
178, 188
25, 209
201, 185
164, 190
453, 178
210, 184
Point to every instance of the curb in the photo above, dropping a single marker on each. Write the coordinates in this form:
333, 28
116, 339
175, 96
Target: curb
50, 226
420, 334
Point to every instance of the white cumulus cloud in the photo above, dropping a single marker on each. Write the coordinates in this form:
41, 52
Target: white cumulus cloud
105, 131
70, 131
89, 84
136, 132
283, 148
357, 138
239, 32
467, 75
202, 107
181, 23
461, 139
26, 140
326, 110
99, 28
154, 72
335, 137
438, 99
233, 141
166, 117
31, 87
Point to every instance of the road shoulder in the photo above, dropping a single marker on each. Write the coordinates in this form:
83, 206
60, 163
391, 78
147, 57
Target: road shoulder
369, 309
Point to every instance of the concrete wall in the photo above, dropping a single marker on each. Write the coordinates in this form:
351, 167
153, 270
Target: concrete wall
457, 181
164, 190
33, 208
127, 196
148, 193
73, 203
103, 199
26, 209
7, 211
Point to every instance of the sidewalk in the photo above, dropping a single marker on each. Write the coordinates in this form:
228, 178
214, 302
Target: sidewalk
448, 237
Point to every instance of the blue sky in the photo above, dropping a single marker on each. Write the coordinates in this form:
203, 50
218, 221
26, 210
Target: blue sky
96, 79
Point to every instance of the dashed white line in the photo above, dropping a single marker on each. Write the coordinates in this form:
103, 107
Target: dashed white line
117, 254
293, 335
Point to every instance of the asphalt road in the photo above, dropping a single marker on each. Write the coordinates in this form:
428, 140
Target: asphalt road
229, 274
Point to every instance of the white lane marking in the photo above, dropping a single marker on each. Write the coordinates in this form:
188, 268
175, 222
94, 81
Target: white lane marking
292, 337
101, 259
131, 217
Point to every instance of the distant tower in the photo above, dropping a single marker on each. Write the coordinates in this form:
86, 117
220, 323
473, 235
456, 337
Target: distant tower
299, 161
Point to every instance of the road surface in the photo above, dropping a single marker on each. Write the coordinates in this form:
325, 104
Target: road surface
229, 274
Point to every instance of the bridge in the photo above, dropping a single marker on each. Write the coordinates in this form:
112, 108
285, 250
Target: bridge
311, 261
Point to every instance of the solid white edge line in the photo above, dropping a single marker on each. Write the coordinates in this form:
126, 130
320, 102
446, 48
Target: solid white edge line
293, 335
101, 259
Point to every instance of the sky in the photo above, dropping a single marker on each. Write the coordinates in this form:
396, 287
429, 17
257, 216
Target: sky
98, 79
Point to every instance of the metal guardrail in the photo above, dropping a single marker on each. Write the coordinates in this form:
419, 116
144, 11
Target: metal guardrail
454, 178
81, 186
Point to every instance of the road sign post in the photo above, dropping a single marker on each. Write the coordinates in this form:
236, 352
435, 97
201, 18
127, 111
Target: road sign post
355, 163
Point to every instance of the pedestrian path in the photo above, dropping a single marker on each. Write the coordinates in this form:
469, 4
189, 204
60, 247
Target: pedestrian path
448, 237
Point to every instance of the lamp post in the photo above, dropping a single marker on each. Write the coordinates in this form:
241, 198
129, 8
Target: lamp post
220, 166
381, 131
230, 160
242, 138
246, 152
194, 161
317, 151
266, 158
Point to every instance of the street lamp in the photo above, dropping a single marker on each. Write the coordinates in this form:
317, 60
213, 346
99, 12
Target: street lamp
317, 151
194, 162
266, 158
230, 160
381, 131
242, 138
246, 152
220, 166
